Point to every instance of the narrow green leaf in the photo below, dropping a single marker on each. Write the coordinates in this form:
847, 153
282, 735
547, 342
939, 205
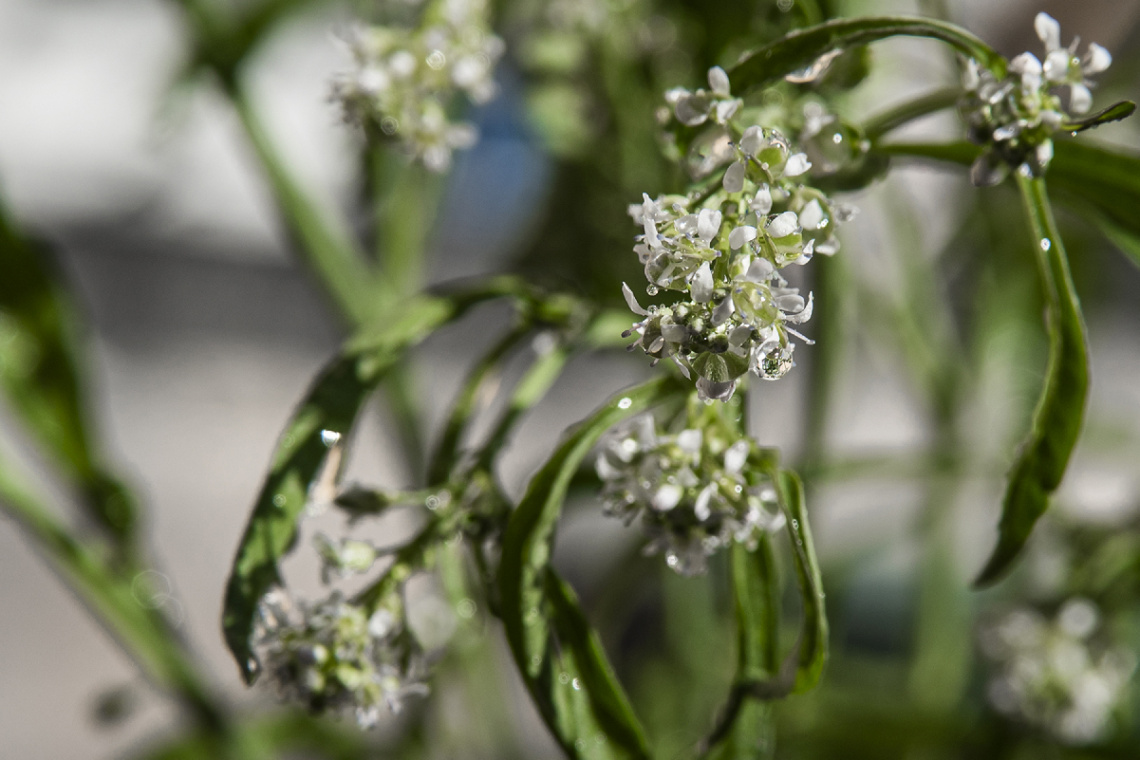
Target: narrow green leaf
803, 48
325, 248
1056, 424
746, 730
1099, 182
41, 372
330, 407
1114, 112
813, 636
108, 593
544, 627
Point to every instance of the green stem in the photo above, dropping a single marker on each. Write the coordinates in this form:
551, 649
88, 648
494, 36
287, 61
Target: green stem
463, 410
141, 632
326, 250
904, 113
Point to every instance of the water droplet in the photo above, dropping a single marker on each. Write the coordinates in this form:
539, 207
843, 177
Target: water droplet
252, 665
576, 684
564, 678
389, 125
1046, 244
580, 744
432, 502
279, 500
837, 138
625, 403
535, 661
330, 438
652, 290
436, 59
785, 5
466, 608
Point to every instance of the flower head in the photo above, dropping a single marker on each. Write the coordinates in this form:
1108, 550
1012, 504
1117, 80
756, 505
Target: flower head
405, 78
721, 251
695, 491
338, 656
1057, 674
1015, 117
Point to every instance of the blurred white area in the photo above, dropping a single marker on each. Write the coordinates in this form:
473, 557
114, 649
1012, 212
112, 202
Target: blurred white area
207, 335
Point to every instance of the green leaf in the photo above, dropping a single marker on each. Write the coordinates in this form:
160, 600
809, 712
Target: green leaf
804, 47
813, 636
41, 372
332, 405
1114, 112
1099, 182
746, 729
108, 591
1056, 424
548, 635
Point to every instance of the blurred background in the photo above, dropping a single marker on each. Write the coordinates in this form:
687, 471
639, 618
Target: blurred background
203, 332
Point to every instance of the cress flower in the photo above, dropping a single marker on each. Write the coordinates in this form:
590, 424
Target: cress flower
695, 491
723, 249
1059, 675
406, 78
1014, 118
338, 656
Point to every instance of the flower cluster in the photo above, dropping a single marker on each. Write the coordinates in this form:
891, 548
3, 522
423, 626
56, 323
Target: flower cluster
406, 78
724, 249
1014, 118
696, 491
337, 656
1057, 674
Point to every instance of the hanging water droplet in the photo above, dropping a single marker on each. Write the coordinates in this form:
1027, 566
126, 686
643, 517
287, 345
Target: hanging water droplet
432, 502
625, 403
330, 438
1046, 244
576, 684
279, 500
651, 290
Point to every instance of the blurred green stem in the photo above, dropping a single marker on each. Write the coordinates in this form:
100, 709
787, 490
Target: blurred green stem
329, 252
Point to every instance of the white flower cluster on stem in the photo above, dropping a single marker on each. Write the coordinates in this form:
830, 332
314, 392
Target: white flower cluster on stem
338, 656
1015, 117
406, 79
1059, 675
695, 491
723, 248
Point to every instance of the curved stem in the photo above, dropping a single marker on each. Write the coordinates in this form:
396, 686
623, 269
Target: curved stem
904, 113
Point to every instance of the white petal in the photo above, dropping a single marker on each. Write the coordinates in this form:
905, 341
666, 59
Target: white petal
812, 216
760, 270
783, 225
735, 457
741, 235
804, 314
797, 164
1044, 153
1056, 68
692, 110
718, 81
631, 301
723, 311
726, 109
1026, 62
734, 178
666, 497
790, 303
1080, 99
971, 75
739, 335
689, 441
753, 139
701, 286
1096, 60
1048, 31
761, 203
701, 506
708, 224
